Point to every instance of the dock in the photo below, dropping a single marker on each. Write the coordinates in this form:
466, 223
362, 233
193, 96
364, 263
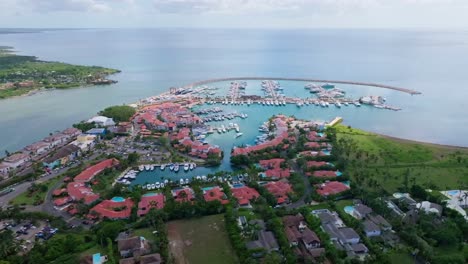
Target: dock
335, 121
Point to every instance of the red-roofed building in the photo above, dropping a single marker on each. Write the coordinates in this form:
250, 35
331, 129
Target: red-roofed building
89, 173
271, 163
274, 170
281, 133
150, 201
277, 173
331, 188
79, 191
324, 174
183, 195
316, 164
280, 190
244, 194
312, 145
59, 192
113, 209
215, 194
62, 201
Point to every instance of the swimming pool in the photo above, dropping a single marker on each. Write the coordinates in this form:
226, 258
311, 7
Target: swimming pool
326, 152
205, 189
118, 199
149, 194
238, 185
349, 209
453, 192
339, 173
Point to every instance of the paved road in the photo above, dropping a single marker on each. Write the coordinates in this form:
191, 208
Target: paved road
307, 191
23, 187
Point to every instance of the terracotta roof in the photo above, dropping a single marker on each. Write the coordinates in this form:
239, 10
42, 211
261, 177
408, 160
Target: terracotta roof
280, 190
89, 173
316, 164
331, 188
78, 191
244, 194
146, 203
215, 194
324, 174
107, 209
179, 197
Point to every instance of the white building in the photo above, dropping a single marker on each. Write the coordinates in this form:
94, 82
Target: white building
37, 148
85, 142
102, 121
16, 160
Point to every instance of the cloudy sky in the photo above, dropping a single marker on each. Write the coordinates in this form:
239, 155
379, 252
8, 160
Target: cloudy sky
235, 13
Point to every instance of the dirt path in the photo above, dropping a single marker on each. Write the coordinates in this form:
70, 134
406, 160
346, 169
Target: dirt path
176, 245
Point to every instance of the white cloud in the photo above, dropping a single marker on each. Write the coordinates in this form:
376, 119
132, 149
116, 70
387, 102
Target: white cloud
45, 6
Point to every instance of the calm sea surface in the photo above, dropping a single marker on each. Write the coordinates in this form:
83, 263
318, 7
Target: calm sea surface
152, 60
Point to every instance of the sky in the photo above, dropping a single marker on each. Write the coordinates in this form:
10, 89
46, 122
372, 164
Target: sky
445, 14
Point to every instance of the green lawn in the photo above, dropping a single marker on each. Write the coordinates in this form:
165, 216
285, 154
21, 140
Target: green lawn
380, 161
401, 258
202, 240
27, 199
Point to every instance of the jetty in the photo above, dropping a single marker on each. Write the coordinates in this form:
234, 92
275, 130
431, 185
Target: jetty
335, 121
404, 90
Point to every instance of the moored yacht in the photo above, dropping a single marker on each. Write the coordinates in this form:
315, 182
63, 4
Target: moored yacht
163, 166
186, 167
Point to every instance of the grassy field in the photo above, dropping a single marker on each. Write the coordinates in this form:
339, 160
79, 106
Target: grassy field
27, 199
401, 258
202, 240
390, 163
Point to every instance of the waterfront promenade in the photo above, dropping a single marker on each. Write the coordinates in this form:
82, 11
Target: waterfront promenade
203, 82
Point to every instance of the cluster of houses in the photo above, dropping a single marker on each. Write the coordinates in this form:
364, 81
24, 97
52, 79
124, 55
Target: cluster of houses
277, 172
175, 119
373, 225
193, 147
281, 124
343, 237
305, 242
132, 250
61, 147
79, 189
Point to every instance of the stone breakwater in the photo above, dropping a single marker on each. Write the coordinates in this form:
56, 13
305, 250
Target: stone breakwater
405, 90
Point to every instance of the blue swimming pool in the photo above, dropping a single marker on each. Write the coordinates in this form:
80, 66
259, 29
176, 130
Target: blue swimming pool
118, 199
453, 192
326, 152
349, 209
347, 183
339, 173
205, 189
238, 185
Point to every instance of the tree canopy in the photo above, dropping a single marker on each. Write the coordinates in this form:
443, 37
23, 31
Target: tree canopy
120, 113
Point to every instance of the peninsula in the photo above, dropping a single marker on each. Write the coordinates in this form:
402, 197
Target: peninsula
20, 74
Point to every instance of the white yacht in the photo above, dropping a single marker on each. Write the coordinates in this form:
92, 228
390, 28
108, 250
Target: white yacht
186, 167
338, 104
239, 134
191, 166
163, 166
176, 167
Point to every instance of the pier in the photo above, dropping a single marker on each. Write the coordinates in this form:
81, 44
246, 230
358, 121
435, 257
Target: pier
404, 90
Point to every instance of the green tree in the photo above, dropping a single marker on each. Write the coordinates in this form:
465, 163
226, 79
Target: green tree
119, 113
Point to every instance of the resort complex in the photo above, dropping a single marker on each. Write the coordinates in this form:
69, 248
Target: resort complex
243, 174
